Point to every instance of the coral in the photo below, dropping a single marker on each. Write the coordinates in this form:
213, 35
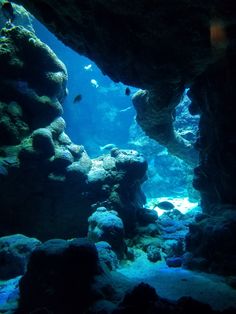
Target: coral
18, 50
22, 17
62, 159
153, 253
105, 225
15, 251
106, 255
42, 142
57, 127
13, 128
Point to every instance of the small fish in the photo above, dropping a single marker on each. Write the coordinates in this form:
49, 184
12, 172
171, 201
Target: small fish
8, 11
77, 98
94, 83
88, 67
165, 205
127, 91
107, 147
126, 109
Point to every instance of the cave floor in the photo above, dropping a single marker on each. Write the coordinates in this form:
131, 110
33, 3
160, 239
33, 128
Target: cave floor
174, 283
170, 283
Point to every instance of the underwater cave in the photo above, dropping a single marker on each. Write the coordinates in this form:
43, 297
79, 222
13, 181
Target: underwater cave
117, 157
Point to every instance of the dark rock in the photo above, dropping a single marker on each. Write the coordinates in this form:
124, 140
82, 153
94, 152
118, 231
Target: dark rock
130, 255
146, 216
173, 248
212, 242
105, 225
3, 171
196, 263
150, 229
59, 277
153, 253
174, 262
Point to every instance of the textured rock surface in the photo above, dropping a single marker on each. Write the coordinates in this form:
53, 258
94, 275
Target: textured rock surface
212, 243
155, 116
14, 254
105, 225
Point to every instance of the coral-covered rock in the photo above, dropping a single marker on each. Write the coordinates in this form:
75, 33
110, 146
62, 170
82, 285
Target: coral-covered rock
13, 128
132, 163
156, 120
77, 150
57, 127
62, 159
42, 142
105, 225
146, 216
30, 88
107, 255
14, 254
59, 277
64, 139
153, 253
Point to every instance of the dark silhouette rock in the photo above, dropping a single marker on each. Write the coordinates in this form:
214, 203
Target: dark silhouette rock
59, 277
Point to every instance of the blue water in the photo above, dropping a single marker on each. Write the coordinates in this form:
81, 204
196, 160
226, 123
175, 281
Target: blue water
105, 115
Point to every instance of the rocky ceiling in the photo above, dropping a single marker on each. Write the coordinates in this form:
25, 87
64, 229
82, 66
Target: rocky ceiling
140, 43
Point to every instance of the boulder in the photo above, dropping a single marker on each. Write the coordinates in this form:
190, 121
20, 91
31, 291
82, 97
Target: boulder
105, 225
15, 251
59, 277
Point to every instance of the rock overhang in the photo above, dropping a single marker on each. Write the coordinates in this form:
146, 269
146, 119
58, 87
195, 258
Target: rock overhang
140, 43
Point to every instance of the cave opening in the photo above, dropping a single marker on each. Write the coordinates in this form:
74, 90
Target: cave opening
98, 216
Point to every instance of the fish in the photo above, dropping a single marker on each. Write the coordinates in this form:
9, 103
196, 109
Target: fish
88, 67
165, 205
77, 98
107, 147
94, 83
8, 11
126, 109
127, 91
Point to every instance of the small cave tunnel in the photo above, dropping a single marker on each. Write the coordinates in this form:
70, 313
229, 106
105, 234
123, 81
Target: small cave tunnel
117, 157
